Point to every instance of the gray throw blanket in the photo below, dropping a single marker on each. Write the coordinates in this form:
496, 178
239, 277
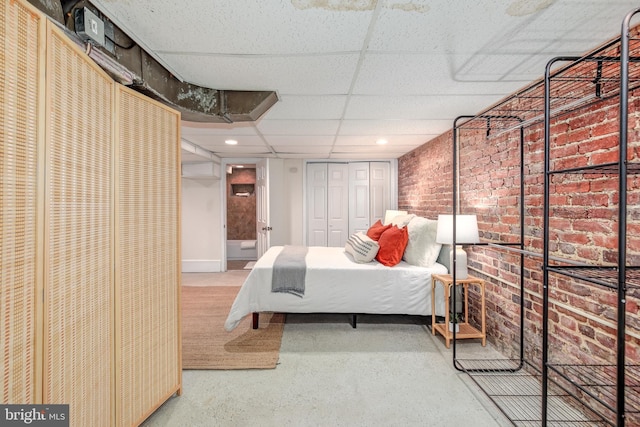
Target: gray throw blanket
289, 270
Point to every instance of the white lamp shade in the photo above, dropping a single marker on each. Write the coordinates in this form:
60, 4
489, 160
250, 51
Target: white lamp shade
390, 214
466, 229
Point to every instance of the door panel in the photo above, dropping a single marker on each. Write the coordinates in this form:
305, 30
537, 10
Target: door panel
338, 209
358, 197
379, 192
317, 204
262, 208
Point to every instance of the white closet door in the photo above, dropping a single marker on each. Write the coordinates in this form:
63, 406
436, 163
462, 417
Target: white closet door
379, 191
359, 210
317, 188
338, 204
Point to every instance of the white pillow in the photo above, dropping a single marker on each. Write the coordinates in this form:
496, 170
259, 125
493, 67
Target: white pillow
402, 220
361, 247
422, 249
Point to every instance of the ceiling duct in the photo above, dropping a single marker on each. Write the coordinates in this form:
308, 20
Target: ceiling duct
127, 63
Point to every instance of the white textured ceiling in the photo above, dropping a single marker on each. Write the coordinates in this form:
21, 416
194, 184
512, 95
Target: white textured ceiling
348, 72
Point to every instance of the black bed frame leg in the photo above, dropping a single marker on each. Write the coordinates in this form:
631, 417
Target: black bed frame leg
256, 318
354, 321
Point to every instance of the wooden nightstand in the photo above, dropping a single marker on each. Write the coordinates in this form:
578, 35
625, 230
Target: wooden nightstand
466, 330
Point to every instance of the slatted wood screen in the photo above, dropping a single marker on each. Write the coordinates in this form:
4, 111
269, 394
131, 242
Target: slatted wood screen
147, 256
20, 67
78, 310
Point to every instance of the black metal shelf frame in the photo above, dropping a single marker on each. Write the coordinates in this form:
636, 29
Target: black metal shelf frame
487, 119
533, 397
614, 389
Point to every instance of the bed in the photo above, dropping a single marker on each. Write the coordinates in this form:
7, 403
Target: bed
335, 283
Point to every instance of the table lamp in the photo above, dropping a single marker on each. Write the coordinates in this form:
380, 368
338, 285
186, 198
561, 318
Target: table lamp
466, 233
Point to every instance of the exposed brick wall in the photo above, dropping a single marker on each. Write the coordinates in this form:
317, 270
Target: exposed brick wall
424, 177
584, 210
241, 211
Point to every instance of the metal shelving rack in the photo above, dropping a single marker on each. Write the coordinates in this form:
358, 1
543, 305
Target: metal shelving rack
613, 391
524, 390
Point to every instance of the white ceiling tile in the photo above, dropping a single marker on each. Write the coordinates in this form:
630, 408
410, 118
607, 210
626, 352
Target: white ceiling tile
382, 128
420, 74
366, 156
427, 107
298, 127
296, 75
206, 141
307, 107
301, 149
394, 141
306, 140
244, 26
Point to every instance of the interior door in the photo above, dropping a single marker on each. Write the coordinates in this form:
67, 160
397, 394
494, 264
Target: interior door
379, 191
358, 197
317, 204
262, 208
338, 204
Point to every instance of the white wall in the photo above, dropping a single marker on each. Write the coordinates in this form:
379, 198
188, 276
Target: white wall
202, 209
201, 225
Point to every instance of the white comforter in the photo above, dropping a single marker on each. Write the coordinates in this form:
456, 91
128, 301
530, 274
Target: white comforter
337, 284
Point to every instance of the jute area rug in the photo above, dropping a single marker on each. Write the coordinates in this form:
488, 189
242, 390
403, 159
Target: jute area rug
207, 345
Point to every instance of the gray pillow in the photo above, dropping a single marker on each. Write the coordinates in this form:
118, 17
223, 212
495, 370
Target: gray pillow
361, 247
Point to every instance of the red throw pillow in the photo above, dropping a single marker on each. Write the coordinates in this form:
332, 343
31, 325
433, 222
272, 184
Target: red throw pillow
377, 229
392, 245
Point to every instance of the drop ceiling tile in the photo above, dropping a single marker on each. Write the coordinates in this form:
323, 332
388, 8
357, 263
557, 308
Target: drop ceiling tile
366, 156
426, 107
207, 141
306, 140
397, 74
307, 107
243, 26
298, 127
288, 75
394, 141
442, 26
301, 149
381, 128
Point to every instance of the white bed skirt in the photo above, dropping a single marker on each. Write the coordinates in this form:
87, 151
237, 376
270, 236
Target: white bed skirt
337, 284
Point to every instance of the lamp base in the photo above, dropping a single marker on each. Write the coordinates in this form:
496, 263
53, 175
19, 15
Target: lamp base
459, 263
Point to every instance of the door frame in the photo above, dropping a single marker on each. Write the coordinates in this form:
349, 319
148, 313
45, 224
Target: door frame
227, 161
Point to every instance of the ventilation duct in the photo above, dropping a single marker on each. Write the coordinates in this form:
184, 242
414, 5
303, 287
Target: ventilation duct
127, 63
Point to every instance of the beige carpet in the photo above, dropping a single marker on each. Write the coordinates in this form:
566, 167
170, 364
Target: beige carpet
206, 344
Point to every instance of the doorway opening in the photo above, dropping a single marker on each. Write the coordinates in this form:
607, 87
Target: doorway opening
241, 215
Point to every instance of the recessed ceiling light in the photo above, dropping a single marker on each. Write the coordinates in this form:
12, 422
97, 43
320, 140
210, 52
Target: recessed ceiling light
238, 166
231, 142
381, 141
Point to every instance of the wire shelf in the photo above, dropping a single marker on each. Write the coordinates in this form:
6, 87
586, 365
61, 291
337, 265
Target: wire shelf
576, 82
599, 382
605, 168
515, 388
604, 276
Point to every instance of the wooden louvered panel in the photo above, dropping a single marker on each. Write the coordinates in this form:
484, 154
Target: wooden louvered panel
78, 230
147, 253
20, 84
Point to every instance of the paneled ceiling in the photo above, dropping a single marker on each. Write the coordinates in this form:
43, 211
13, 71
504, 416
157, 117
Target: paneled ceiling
351, 72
